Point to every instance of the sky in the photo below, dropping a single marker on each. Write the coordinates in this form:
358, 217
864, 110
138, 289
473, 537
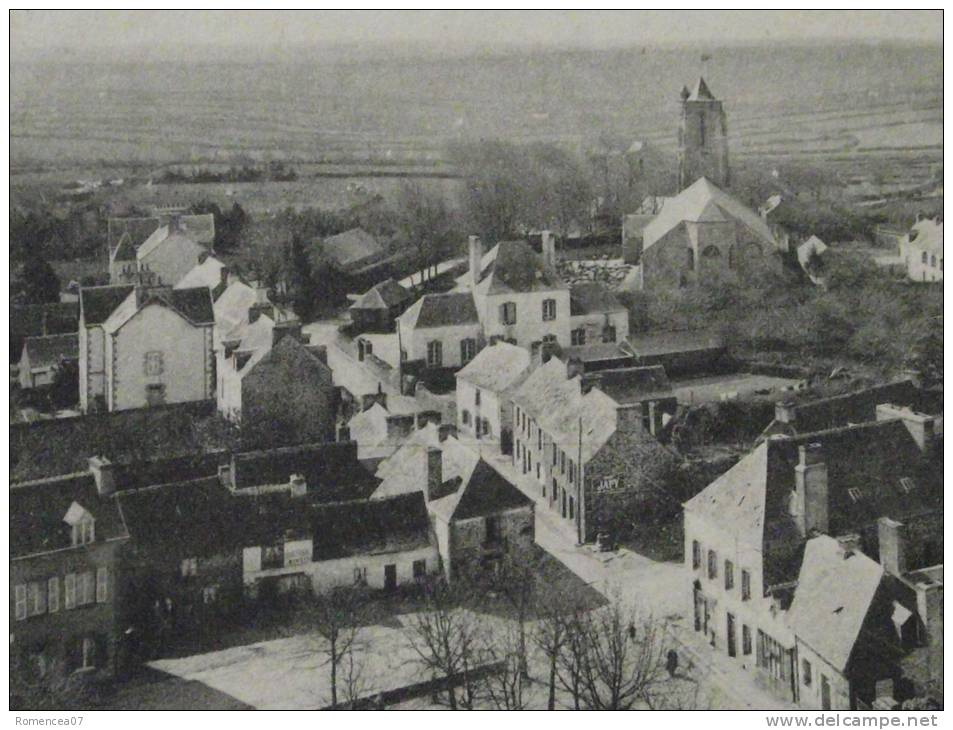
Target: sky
113, 31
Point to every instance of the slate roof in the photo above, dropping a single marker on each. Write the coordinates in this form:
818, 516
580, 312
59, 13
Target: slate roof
197, 518
479, 491
703, 201
835, 591
331, 470
513, 266
49, 350
384, 295
631, 385
497, 368
592, 298
135, 231
383, 525
97, 303
207, 274
162, 236
352, 247
194, 304
750, 500
37, 510
559, 405
440, 310
406, 469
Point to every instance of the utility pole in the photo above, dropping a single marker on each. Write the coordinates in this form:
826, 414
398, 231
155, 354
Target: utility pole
579, 478
400, 360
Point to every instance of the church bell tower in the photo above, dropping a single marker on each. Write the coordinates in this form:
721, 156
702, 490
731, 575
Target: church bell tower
702, 138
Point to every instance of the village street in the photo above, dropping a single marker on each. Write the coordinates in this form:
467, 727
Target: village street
659, 589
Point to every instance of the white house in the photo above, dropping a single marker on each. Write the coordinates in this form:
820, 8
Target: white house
518, 295
922, 251
442, 330
484, 391
142, 346
41, 356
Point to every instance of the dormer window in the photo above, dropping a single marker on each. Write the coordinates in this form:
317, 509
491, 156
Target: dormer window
907, 485
82, 525
855, 493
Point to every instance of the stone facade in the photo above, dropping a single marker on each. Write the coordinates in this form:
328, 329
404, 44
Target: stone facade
702, 139
485, 543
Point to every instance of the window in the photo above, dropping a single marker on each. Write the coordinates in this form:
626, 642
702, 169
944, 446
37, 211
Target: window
467, 350
539, 440
53, 594
549, 338
360, 576
210, 594
608, 333
806, 672
19, 593
465, 417
690, 259
155, 394
486, 427
696, 555
476, 397
562, 462
153, 363
933, 261
578, 336
84, 531
190, 567
87, 586
730, 636
549, 310
102, 577
745, 639
745, 585
572, 511
771, 656
729, 575
89, 653
712, 564
435, 354
420, 570
923, 257
69, 588
37, 599
855, 493
508, 313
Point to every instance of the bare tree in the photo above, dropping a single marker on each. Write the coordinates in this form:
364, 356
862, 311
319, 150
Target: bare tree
615, 658
352, 667
336, 619
425, 224
506, 684
444, 637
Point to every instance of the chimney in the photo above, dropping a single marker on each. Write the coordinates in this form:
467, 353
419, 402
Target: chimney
574, 368
920, 426
297, 485
549, 249
434, 472
785, 412
476, 257
930, 610
850, 543
104, 473
628, 418
810, 490
892, 536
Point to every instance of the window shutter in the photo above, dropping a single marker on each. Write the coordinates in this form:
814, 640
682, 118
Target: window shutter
20, 596
89, 588
70, 590
503, 313
53, 594
101, 578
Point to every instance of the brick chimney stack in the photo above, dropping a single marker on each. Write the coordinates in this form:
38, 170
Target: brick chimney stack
892, 536
104, 474
434, 472
810, 490
475, 251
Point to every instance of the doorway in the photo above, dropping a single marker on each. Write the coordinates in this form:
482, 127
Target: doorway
390, 577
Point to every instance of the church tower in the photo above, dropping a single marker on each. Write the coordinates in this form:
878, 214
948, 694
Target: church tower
702, 138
